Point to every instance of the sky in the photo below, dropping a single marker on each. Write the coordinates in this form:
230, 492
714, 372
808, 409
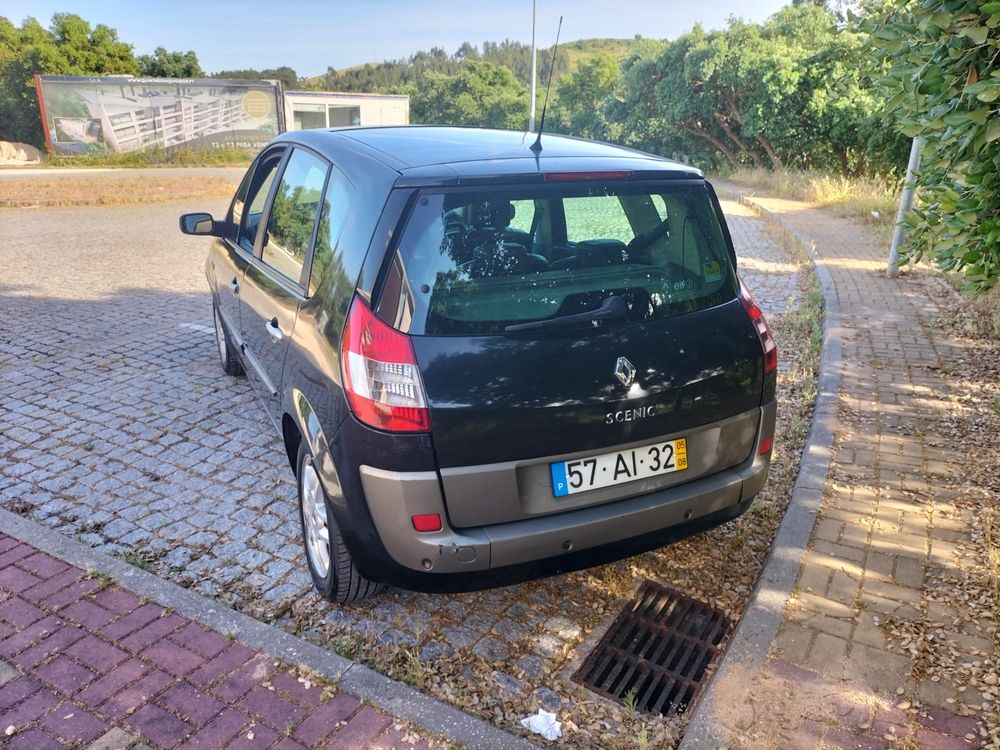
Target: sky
311, 35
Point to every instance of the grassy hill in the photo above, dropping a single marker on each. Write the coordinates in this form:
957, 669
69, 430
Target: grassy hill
570, 53
584, 48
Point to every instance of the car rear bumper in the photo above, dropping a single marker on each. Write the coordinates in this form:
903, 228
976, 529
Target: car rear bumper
393, 497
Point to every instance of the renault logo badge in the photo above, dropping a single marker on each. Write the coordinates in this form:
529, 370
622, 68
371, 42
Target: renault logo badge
625, 371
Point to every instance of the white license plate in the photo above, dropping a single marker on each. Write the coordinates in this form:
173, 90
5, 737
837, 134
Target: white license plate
570, 477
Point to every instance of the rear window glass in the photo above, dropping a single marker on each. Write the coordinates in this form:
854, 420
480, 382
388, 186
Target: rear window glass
479, 262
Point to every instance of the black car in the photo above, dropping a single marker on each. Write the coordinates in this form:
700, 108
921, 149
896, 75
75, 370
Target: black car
488, 363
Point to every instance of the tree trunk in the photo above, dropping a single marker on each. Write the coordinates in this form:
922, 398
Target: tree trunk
698, 132
765, 144
757, 161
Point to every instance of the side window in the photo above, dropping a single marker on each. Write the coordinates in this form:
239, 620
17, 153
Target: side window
597, 217
253, 208
336, 204
294, 213
524, 212
236, 210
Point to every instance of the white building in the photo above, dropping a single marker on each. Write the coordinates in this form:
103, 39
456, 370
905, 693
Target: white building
305, 110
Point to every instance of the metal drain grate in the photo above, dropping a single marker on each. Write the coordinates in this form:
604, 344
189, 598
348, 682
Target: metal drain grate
656, 652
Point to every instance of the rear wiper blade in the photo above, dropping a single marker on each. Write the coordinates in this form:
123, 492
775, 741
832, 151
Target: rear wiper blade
613, 307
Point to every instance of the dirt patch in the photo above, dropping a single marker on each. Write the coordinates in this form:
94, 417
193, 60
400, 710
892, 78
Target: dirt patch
108, 191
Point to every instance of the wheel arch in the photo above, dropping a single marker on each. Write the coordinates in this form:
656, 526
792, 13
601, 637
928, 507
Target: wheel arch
300, 423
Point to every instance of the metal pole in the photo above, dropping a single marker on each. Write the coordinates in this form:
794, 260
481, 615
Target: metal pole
534, 70
905, 202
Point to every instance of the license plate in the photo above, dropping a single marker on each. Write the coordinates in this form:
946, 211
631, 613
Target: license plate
570, 477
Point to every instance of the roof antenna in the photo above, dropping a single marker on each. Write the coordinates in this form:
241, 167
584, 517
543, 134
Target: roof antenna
537, 145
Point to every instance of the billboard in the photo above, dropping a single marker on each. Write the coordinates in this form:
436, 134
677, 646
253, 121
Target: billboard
83, 114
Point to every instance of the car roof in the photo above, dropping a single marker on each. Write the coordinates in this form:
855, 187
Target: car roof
429, 154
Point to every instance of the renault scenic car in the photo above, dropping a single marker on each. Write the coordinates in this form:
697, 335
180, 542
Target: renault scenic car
487, 363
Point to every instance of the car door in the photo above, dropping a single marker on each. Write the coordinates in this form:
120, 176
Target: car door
235, 250
274, 283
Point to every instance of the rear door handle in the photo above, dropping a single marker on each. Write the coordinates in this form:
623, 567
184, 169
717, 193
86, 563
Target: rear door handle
273, 330
235, 286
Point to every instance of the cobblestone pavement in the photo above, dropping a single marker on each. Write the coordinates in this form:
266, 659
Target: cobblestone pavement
118, 427
888, 640
87, 665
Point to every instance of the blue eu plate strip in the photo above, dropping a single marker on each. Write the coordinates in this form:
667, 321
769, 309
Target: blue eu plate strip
559, 485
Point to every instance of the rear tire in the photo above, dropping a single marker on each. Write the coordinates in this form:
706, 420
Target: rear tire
228, 357
330, 564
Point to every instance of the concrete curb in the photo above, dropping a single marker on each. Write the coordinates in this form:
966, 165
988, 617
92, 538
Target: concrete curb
391, 696
764, 614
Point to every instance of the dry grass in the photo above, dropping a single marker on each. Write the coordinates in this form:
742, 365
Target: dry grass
108, 190
854, 197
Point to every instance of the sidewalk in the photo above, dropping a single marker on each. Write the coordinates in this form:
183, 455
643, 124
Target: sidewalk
85, 664
888, 638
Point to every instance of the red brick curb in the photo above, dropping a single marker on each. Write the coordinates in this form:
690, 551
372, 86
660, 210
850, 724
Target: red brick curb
80, 658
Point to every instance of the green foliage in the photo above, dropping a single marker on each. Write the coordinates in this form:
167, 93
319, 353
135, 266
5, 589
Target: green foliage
579, 105
164, 64
288, 77
70, 46
480, 94
789, 92
405, 75
941, 78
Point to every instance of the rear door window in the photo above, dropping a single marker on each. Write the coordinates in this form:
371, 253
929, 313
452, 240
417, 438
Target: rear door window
333, 217
471, 262
294, 212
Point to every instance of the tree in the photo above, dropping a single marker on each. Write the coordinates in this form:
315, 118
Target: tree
940, 78
164, 64
288, 77
582, 97
68, 47
481, 94
790, 92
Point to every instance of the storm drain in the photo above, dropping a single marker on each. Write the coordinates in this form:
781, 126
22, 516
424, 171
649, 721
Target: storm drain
655, 655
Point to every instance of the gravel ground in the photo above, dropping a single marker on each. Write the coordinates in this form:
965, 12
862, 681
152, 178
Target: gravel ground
117, 427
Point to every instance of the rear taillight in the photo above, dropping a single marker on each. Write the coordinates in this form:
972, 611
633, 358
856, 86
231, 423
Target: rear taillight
763, 329
381, 378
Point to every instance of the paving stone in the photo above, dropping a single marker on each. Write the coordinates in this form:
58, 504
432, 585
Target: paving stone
189, 703
361, 729
508, 683
136, 694
271, 708
217, 732
827, 652
72, 724
15, 689
793, 642
108, 684
96, 654
113, 739
65, 675
547, 698
324, 721
159, 726
492, 649
33, 739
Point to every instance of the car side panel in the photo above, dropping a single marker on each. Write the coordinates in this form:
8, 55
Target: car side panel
311, 381
225, 268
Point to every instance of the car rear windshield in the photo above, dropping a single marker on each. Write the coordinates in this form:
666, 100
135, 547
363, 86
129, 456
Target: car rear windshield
483, 262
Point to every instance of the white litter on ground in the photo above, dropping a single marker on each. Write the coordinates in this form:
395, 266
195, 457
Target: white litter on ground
543, 723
